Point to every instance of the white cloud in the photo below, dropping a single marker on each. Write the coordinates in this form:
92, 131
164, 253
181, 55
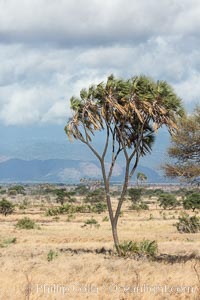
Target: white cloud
49, 51
94, 21
189, 89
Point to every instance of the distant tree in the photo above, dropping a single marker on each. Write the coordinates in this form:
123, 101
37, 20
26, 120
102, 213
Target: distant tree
95, 196
6, 207
135, 195
81, 190
129, 112
185, 149
141, 177
63, 196
192, 201
167, 201
16, 189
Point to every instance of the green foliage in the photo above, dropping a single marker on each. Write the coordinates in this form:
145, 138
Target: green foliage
26, 223
71, 209
192, 201
16, 189
6, 242
151, 193
140, 206
2, 192
149, 248
25, 203
105, 219
56, 218
129, 112
145, 247
151, 217
188, 224
81, 190
51, 255
95, 196
99, 208
64, 196
185, 148
167, 201
6, 207
70, 217
141, 177
91, 222
135, 195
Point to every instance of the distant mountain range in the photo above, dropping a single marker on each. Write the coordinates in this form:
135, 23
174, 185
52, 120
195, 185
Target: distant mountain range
63, 171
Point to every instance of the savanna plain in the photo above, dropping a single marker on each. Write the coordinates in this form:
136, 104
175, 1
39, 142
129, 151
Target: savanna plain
69, 253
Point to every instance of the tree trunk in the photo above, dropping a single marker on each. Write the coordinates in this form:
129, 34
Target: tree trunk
115, 237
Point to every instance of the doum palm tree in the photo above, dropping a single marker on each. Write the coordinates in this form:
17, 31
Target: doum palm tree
129, 112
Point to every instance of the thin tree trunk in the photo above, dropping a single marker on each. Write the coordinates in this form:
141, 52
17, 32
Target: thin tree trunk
115, 237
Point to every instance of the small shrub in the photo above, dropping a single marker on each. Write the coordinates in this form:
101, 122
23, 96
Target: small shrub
22, 206
105, 219
151, 217
139, 206
95, 196
167, 201
146, 247
135, 194
99, 207
70, 217
143, 206
192, 201
7, 242
51, 212
51, 255
135, 207
56, 218
26, 223
188, 224
128, 247
91, 222
6, 207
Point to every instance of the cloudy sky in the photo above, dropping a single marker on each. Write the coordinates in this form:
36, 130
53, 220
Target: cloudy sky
50, 49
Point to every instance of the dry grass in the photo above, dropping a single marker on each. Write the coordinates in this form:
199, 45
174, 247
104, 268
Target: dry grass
25, 269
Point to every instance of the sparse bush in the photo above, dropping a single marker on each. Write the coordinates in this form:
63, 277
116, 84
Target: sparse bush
151, 217
91, 222
7, 242
70, 217
6, 207
135, 195
146, 247
99, 207
81, 190
188, 224
128, 248
51, 255
139, 206
192, 201
167, 201
51, 212
16, 189
95, 196
26, 223
105, 219
56, 218
2, 192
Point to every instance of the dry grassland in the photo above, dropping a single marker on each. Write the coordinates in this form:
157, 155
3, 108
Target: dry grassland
27, 274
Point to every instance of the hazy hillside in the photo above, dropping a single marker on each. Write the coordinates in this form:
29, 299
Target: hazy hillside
60, 170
